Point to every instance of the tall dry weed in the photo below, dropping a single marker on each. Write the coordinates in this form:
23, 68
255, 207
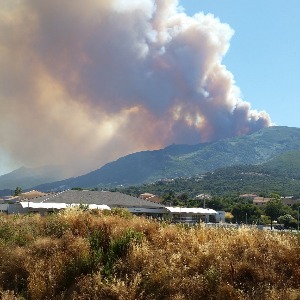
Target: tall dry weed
13, 273
80, 254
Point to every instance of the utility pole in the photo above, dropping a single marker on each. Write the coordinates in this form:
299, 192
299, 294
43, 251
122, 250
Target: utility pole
298, 217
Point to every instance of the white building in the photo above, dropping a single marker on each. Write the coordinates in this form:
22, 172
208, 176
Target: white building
180, 214
107, 200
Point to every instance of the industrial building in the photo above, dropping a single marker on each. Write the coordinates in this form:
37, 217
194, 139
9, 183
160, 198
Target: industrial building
55, 202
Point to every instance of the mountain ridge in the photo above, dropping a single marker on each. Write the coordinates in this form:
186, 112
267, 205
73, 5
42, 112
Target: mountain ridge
280, 175
187, 160
172, 161
28, 177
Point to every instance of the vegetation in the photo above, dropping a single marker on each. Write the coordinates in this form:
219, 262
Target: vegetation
80, 254
288, 221
274, 209
241, 210
18, 191
190, 160
229, 181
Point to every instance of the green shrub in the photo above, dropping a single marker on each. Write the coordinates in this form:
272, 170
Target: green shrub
121, 212
109, 251
55, 225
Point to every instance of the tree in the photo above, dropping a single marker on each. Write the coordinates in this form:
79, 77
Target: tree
168, 198
18, 191
184, 198
216, 203
288, 221
274, 196
229, 217
246, 213
274, 209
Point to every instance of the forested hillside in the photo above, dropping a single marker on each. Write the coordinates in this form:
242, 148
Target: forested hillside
185, 161
280, 175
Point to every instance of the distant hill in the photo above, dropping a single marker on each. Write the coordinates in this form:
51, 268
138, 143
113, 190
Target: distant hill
287, 164
188, 160
29, 177
6, 192
279, 175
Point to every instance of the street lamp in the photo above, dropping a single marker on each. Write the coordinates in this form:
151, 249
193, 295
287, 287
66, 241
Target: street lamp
298, 217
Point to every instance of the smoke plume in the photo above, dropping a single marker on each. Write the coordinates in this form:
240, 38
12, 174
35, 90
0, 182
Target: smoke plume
84, 82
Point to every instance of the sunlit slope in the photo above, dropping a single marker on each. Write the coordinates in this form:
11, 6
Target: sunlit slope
185, 160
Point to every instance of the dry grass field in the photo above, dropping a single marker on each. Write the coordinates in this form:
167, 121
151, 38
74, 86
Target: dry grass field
80, 254
31, 195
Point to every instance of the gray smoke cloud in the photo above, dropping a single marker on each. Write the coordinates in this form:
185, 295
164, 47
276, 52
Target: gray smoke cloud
82, 83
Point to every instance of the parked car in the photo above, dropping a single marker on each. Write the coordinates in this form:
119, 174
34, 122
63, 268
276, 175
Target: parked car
279, 227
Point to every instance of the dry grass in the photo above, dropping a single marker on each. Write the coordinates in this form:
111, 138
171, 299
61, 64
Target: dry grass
31, 195
92, 255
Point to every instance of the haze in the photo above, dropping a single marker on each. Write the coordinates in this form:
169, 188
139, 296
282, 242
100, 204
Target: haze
83, 83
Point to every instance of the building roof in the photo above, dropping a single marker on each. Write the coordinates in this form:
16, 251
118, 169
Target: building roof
146, 195
248, 196
203, 196
31, 194
112, 199
192, 210
55, 205
290, 201
261, 199
49, 205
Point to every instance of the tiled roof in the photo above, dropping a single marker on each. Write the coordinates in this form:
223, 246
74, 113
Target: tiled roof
112, 199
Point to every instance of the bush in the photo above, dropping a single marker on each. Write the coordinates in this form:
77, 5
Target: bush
80, 255
288, 221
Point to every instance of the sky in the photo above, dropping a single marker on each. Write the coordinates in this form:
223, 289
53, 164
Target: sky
264, 53
84, 83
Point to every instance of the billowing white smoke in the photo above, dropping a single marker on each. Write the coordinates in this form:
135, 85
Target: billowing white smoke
83, 82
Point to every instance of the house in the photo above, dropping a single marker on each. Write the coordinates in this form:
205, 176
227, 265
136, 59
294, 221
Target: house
290, 201
248, 196
150, 197
45, 208
203, 197
181, 214
31, 194
260, 201
9, 199
192, 215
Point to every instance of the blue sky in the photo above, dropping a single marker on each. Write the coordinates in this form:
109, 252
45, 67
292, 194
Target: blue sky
264, 53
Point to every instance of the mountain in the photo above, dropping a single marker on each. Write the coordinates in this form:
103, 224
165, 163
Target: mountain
29, 177
279, 175
287, 164
6, 192
187, 160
